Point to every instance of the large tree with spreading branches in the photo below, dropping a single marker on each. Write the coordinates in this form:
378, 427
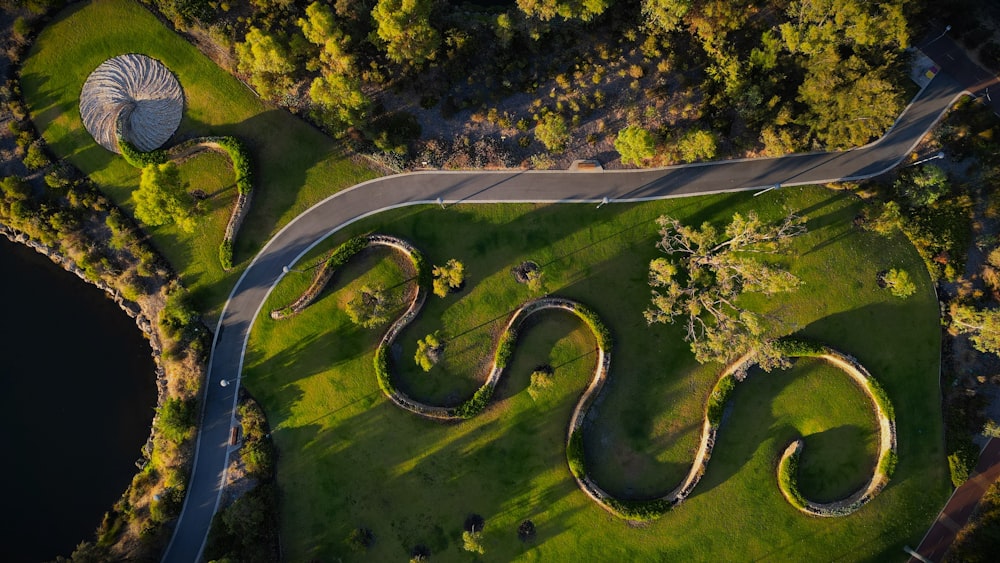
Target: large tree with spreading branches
705, 272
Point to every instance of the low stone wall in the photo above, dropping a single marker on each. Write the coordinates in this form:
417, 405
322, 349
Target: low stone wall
654, 507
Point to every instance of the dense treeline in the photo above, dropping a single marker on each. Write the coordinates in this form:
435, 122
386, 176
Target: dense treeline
770, 76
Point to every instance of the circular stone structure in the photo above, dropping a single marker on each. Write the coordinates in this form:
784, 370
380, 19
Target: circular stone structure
139, 91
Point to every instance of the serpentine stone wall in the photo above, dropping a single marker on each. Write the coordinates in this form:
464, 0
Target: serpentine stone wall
625, 508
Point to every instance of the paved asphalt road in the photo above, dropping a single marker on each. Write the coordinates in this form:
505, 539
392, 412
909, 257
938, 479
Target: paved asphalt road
345, 207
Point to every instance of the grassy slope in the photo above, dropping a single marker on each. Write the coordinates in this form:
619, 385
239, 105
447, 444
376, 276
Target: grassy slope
349, 458
296, 165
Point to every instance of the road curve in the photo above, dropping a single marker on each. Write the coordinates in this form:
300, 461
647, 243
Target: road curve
363, 200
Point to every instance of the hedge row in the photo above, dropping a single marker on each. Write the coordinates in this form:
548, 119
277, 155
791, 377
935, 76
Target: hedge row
346, 251
600, 331
881, 398
382, 370
574, 454
226, 254
800, 348
138, 158
788, 470
476, 404
240, 157
505, 349
639, 510
888, 464
717, 400
423, 272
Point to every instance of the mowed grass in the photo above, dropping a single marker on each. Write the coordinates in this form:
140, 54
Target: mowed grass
350, 458
295, 164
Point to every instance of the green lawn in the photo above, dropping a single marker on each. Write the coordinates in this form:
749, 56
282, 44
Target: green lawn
350, 458
295, 164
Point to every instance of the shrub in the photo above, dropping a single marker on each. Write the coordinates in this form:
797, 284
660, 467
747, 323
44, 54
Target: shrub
601, 332
448, 278
428, 350
574, 454
717, 400
639, 510
36, 158
140, 159
226, 254
541, 379
959, 469
473, 542
240, 158
788, 470
382, 370
888, 464
899, 283
795, 348
505, 349
553, 132
697, 145
476, 404
635, 144
176, 419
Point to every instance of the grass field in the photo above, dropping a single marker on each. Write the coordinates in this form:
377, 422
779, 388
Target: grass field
350, 458
295, 164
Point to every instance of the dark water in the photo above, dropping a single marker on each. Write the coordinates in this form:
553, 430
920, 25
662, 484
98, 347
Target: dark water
77, 394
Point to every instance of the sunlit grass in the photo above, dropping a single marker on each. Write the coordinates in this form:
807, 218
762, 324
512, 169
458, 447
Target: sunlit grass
350, 458
295, 164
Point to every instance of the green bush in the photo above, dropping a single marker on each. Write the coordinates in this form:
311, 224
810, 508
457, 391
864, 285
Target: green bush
881, 398
346, 251
476, 404
788, 471
888, 464
639, 510
574, 454
505, 349
240, 157
962, 461
176, 419
717, 400
382, 370
601, 332
226, 254
140, 159
795, 348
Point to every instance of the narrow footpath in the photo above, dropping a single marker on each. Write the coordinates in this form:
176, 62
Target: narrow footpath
955, 515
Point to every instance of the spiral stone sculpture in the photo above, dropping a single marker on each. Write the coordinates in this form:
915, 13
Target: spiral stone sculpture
140, 92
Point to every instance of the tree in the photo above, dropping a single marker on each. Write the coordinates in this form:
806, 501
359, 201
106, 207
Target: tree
545, 10
848, 48
268, 61
448, 278
924, 185
161, 198
404, 28
337, 91
429, 350
899, 283
697, 144
982, 326
635, 144
473, 542
704, 274
370, 307
552, 131
14, 188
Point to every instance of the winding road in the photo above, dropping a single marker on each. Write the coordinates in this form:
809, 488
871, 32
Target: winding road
341, 209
